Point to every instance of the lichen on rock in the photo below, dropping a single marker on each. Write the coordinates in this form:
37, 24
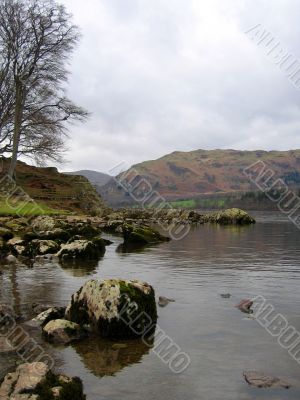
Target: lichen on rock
115, 308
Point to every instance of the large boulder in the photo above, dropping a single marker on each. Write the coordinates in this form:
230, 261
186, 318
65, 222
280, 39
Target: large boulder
62, 331
82, 249
34, 381
231, 216
115, 308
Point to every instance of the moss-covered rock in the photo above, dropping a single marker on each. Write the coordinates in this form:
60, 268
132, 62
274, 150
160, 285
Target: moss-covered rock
62, 331
41, 247
115, 308
141, 235
34, 381
82, 250
231, 216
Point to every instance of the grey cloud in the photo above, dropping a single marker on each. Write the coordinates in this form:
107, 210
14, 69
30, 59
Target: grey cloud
168, 75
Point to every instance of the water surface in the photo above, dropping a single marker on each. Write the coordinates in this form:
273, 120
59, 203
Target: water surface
263, 259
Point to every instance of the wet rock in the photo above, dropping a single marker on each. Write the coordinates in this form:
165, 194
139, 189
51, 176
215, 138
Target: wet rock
7, 315
62, 331
225, 295
82, 249
35, 382
231, 216
41, 247
49, 315
141, 235
25, 379
245, 306
164, 301
260, 380
38, 308
118, 346
105, 306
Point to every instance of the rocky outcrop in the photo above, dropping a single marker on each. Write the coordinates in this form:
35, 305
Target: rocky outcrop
62, 331
115, 308
232, 216
34, 381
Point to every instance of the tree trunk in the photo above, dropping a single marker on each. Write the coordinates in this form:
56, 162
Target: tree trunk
19, 105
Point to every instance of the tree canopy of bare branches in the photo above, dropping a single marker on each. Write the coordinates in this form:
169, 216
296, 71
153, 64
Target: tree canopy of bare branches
37, 38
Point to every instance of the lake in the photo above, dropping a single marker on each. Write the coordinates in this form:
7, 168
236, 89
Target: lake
222, 342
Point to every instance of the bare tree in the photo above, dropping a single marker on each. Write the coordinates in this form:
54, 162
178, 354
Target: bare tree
36, 40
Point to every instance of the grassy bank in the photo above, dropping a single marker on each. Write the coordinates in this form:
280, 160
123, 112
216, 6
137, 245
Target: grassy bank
23, 209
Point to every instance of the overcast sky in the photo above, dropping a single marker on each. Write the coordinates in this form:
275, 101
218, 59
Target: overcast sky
165, 75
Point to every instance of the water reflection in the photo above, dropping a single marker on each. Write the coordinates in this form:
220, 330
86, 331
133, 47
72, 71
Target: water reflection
106, 358
79, 269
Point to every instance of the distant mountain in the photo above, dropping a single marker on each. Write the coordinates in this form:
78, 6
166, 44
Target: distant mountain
189, 175
95, 177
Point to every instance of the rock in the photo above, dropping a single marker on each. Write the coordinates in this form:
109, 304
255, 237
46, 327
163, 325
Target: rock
261, 380
141, 235
35, 382
82, 249
26, 378
245, 306
43, 223
164, 301
6, 234
41, 247
62, 331
11, 259
38, 308
49, 315
105, 306
231, 216
225, 295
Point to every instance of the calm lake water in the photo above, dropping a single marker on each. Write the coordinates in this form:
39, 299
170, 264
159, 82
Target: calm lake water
263, 259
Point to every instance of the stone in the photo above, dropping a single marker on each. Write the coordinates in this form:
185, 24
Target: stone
11, 259
43, 223
231, 216
245, 306
141, 235
62, 331
6, 234
82, 249
49, 315
36, 382
260, 380
225, 295
25, 378
42, 247
164, 301
115, 308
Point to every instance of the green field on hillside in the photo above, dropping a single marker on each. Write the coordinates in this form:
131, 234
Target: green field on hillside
23, 209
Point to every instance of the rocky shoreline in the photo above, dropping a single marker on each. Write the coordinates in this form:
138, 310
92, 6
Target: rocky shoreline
98, 307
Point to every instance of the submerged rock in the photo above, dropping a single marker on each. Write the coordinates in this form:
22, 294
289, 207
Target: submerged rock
164, 301
115, 308
62, 331
34, 381
225, 295
231, 216
261, 380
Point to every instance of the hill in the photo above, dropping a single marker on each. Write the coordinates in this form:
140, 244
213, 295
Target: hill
54, 192
205, 174
95, 177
